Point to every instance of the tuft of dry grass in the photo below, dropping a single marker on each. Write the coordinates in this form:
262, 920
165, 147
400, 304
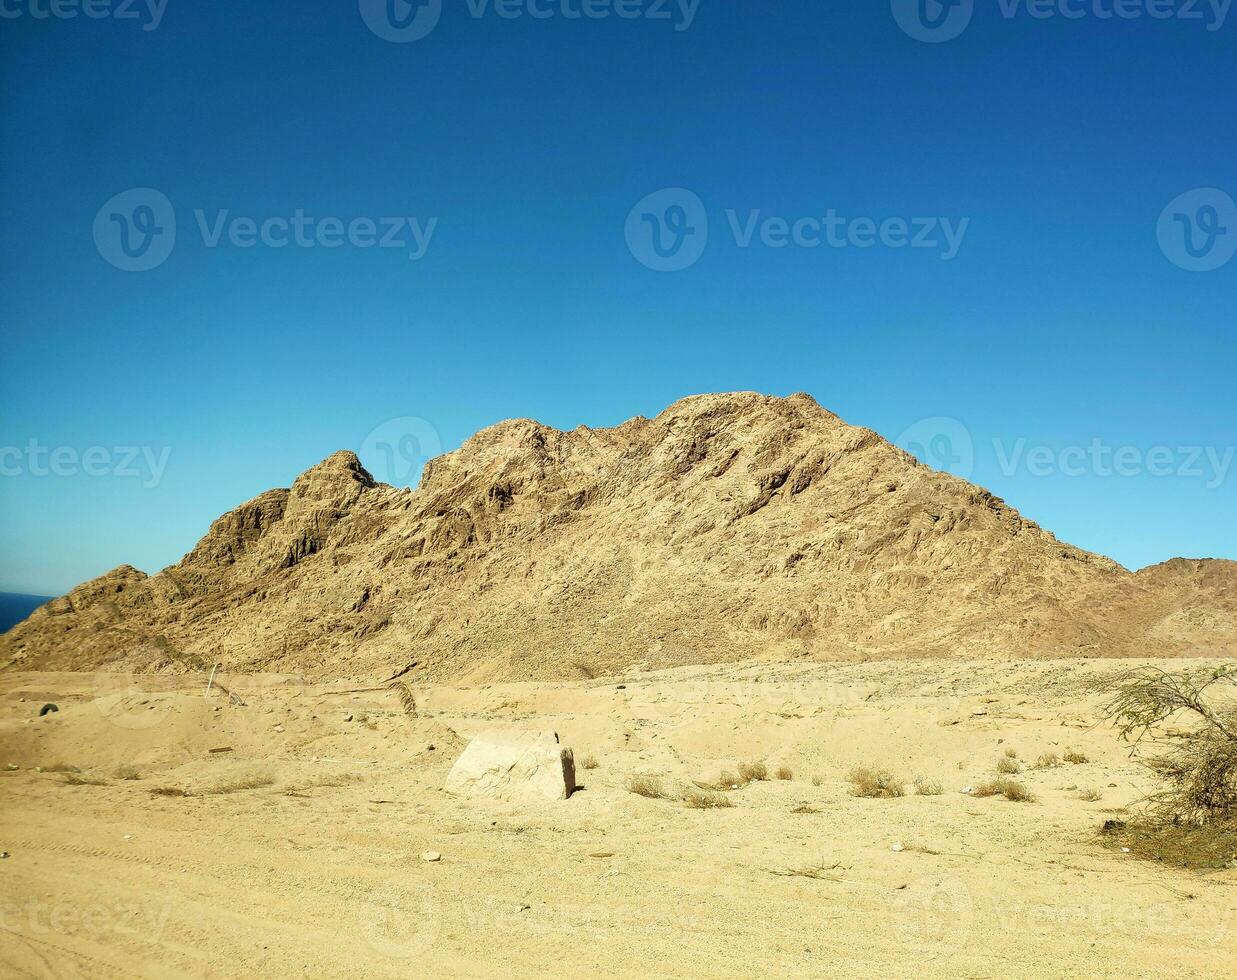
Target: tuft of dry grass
170, 791
699, 799
647, 786
927, 787
1075, 758
73, 779
1090, 795
874, 784
784, 773
1011, 754
1049, 760
1011, 789
1008, 765
753, 772
126, 772
818, 780
239, 784
589, 762
57, 767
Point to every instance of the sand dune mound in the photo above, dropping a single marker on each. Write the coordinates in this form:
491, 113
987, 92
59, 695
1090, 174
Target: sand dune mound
728, 527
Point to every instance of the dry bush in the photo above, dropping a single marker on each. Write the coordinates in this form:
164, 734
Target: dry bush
73, 779
238, 784
784, 773
1011, 754
1201, 774
1049, 760
589, 762
1011, 789
874, 784
1091, 795
928, 787
753, 772
126, 772
57, 767
818, 780
170, 791
322, 782
647, 786
1075, 758
1008, 766
699, 799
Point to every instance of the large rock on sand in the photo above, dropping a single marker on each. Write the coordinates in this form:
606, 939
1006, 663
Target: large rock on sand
514, 765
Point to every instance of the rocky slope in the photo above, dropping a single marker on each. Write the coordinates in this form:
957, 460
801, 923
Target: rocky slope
730, 526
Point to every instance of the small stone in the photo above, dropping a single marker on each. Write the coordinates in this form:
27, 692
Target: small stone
3, 855
431, 856
348, 716
897, 847
522, 907
967, 789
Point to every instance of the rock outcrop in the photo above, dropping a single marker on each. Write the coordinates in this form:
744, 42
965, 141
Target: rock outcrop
514, 766
728, 527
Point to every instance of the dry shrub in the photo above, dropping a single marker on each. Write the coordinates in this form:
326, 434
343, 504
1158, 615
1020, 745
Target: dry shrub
238, 784
1011, 789
589, 762
126, 772
57, 767
928, 787
1075, 758
784, 773
73, 779
1091, 795
753, 772
818, 780
1007, 765
170, 791
1201, 773
699, 799
647, 786
1011, 754
1049, 760
874, 784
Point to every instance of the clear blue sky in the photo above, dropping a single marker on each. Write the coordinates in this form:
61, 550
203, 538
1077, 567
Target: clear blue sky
1060, 320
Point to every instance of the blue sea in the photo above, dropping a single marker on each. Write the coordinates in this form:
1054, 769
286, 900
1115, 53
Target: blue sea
15, 607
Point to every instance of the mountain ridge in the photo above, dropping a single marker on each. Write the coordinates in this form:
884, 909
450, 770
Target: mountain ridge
727, 527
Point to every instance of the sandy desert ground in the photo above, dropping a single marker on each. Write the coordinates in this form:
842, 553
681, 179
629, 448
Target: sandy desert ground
300, 849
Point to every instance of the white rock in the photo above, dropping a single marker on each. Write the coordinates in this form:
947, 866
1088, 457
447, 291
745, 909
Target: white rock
897, 847
430, 856
514, 765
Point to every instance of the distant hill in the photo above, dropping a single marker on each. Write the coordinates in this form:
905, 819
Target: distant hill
728, 527
14, 607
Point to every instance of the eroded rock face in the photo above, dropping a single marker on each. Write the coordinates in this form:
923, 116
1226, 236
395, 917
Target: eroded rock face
728, 527
514, 766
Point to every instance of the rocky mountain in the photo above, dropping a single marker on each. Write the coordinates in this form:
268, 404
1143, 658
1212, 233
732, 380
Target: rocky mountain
729, 526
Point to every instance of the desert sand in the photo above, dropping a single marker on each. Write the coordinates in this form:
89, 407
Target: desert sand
300, 849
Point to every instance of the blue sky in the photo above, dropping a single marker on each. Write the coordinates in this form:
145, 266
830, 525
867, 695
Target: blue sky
1065, 325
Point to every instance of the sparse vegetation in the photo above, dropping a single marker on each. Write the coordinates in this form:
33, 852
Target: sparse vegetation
57, 767
1075, 758
1008, 765
875, 784
1090, 795
589, 762
753, 772
784, 773
647, 786
699, 799
1011, 789
1011, 754
170, 791
927, 787
1049, 760
1193, 822
126, 772
73, 779
239, 784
